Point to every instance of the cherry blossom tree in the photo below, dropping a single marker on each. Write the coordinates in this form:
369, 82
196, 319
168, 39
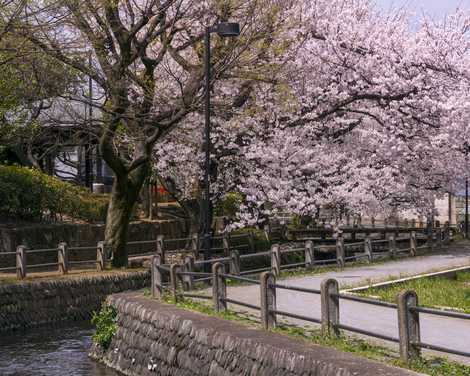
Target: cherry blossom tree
147, 61
358, 112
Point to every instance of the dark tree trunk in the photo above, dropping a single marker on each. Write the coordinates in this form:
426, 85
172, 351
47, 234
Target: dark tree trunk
124, 196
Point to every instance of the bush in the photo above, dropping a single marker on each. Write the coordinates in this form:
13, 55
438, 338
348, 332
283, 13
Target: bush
229, 205
28, 194
105, 322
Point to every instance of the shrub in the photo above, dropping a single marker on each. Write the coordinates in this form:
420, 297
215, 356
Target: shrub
29, 194
229, 205
105, 322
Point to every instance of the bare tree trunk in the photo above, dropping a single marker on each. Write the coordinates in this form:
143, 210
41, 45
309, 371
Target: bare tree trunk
124, 196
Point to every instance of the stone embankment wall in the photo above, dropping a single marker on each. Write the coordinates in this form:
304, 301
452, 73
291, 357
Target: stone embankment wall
25, 305
158, 339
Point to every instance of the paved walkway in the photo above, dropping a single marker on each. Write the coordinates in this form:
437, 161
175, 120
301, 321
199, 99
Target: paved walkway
450, 333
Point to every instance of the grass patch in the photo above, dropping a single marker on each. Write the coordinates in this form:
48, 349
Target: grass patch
105, 322
432, 366
432, 292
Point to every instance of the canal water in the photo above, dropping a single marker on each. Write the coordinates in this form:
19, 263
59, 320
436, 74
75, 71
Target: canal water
61, 351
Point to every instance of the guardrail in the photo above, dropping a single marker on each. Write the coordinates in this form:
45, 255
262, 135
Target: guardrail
407, 308
60, 256
344, 252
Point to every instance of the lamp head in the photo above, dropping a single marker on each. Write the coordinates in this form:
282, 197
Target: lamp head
228, 29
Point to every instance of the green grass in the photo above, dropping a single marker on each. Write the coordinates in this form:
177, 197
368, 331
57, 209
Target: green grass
431, 366
432, 292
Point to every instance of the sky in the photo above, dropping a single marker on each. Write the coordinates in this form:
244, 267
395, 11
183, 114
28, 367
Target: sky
436, 8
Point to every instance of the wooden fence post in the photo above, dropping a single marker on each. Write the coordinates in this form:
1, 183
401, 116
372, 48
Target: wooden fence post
21, 266
195, 245
174, 269
226, 244
340, 255
392, 246
408, 326
251, 242
309, 255
157, 280
439, 238
330, 307
430, 238
63, 258
188, 280
413, 223
276, 259
101, 256
161, 247
219, 287
235, 262
267, 232
372, 220
368, 248
268, 300
413, 244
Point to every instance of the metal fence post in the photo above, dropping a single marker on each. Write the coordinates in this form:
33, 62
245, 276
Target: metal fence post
219, 287
392, 246
408, 326
235, 263
268, 300
21, 268
368, 248
195, 245
276, 259
340, 256
101, 256
188, 280
413, 244
174, 269
161, 247
63, 258
157, 280
330, 307
309, 255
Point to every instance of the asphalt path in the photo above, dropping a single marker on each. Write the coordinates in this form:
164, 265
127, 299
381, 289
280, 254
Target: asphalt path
435, 330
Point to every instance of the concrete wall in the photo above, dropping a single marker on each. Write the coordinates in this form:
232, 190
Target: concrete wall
157, 339
25, 305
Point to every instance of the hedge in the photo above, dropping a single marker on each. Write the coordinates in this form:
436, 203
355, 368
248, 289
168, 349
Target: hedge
28, 194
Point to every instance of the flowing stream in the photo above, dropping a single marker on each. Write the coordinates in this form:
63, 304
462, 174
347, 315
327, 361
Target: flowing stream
61, 351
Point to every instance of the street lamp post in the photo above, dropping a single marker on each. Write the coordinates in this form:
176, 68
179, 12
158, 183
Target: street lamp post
466, 190
224, 30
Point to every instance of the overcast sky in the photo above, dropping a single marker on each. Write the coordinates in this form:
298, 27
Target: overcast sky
436, 8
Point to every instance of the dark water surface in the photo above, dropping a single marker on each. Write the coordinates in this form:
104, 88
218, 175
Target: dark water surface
61, 351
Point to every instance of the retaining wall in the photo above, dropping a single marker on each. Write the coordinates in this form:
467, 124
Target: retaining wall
158, 339
30, 304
